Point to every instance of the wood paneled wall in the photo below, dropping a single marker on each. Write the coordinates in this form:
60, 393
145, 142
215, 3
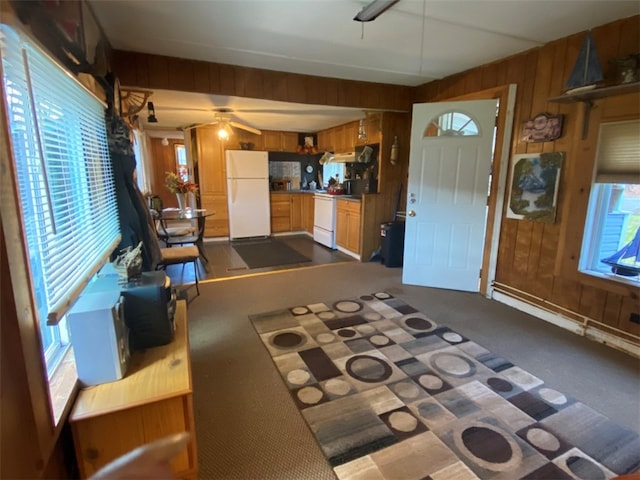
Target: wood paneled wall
532, 256
158, 72
537, 259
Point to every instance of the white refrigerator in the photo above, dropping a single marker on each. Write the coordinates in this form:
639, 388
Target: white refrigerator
248, 194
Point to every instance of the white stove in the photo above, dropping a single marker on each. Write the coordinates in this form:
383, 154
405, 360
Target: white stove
324, 219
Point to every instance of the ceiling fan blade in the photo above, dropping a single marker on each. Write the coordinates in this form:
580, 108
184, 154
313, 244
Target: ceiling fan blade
198, 125
245, 127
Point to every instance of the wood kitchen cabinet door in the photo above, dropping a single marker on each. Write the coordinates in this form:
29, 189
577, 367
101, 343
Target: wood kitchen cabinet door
289, 142
296, 211
280, 212
342, 226
348, 225
308, 203
271, 141
350, 136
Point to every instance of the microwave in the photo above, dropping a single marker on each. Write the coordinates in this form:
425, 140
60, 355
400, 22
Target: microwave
99, 336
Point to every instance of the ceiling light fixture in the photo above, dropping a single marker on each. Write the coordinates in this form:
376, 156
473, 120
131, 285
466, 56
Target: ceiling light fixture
225, 131
373, 10
362, 133
151, 118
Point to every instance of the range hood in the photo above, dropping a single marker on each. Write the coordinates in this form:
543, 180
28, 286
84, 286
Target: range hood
349, 157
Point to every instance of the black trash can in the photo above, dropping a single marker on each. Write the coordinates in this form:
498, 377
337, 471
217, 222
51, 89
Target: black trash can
392, 247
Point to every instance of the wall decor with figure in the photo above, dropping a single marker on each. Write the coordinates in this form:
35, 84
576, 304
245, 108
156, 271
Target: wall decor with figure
533, 191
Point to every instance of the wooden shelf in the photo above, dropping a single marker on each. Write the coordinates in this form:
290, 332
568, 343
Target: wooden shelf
587, 98
597, 93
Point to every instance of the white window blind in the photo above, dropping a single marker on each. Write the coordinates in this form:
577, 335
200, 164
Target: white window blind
63, 172
618, 154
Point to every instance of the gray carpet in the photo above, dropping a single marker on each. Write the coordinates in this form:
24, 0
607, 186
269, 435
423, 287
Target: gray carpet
248, 427
268, 252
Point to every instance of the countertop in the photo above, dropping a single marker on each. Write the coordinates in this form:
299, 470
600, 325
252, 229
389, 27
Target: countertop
353, 198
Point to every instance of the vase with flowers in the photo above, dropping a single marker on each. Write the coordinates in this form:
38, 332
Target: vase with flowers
182, 189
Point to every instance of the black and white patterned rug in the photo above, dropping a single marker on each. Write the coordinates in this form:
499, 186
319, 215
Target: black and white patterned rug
389, 394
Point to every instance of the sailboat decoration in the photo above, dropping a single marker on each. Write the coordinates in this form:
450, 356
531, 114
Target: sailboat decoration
587, 70
630, 253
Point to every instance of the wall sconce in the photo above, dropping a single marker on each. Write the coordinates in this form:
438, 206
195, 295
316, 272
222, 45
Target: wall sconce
394, 151
362, 133
165, 142
151, 118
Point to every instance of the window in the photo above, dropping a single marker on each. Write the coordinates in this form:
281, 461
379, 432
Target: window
182, 169
64, 181
613, 219
452, 124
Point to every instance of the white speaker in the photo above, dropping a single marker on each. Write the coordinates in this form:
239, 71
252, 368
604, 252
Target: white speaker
99, 337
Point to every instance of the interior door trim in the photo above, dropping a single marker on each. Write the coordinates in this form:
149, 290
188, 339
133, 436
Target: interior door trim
506, 94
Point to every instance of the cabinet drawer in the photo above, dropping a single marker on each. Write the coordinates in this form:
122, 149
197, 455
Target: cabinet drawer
280, 224
281, 209
351, 207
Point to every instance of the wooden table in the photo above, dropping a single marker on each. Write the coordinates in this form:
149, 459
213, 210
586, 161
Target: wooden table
152, 401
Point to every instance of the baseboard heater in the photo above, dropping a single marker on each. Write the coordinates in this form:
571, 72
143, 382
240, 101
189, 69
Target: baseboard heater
561, 317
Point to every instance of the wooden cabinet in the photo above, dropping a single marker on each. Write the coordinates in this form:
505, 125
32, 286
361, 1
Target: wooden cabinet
308, 203
325, 141
296, 211
348, 225
212, 180
271, 141
280, 212
350, 136
291, 212
372, 130
276, 141
289, 142
152, 401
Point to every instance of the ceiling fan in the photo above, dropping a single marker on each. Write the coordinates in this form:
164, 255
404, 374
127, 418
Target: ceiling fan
223, 118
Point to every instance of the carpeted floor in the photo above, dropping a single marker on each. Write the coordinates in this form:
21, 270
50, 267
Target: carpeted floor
249, 427
389, 394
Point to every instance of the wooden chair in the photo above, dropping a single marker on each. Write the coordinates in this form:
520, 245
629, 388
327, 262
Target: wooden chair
180, 255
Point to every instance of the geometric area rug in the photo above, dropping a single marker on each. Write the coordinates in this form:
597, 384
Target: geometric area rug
388, 394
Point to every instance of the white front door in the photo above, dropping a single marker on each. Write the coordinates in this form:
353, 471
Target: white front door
449, 171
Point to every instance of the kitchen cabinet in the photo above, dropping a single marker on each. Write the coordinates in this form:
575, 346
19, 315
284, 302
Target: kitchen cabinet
289, 142
212, 180
325, 141
276, 141
296, 211
307, 212
350, 136
348, 225
291, 212
280, 212
152, 401
271, 141
372, 130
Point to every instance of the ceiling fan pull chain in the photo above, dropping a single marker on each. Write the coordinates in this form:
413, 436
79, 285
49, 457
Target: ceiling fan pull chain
362, 32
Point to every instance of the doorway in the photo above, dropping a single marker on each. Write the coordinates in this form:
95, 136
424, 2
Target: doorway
488, 240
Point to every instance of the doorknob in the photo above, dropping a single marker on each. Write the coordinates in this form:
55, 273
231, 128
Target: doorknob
411, 213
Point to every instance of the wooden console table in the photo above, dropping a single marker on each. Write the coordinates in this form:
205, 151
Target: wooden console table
152, 401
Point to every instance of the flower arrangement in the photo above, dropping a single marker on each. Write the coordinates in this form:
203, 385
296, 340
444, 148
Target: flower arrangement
175, 184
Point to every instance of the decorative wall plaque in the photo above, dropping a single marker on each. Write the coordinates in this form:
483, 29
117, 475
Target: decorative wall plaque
544, 127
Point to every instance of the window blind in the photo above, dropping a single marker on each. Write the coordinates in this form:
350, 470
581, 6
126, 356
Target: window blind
618, 153
63, 172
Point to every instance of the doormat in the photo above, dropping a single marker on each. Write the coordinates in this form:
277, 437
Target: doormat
268, 253
390, 394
